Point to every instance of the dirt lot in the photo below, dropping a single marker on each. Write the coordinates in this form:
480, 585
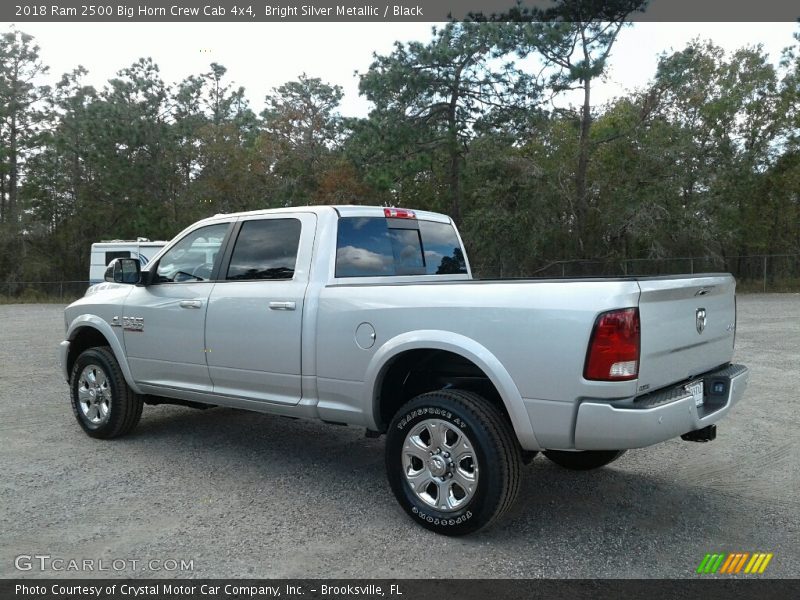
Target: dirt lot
243, 494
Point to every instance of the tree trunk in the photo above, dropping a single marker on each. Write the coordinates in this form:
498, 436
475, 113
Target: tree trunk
455, 153
13, 172
14, 106
455, 183
581, 199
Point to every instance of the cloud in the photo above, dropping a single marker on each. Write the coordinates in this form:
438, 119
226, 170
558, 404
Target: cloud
433, 258
410, 252
438, 234
360, 261
360, 223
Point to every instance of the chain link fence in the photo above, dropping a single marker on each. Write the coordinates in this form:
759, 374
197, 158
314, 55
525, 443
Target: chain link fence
755, 273
42, 291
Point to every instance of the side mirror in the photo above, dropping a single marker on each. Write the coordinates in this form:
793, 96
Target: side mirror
124, 270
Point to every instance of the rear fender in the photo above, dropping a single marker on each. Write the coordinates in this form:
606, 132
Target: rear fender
457, 344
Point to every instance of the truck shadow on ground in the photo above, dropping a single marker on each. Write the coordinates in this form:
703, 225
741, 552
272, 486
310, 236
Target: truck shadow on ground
619, 505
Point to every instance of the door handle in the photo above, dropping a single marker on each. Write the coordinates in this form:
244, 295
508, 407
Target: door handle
282, 305
191, 303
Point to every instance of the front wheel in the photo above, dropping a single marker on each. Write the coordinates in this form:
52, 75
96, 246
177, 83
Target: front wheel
453, 461
102, 402
583, 461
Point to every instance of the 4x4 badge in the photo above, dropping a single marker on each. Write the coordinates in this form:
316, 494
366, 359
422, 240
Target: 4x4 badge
129, 323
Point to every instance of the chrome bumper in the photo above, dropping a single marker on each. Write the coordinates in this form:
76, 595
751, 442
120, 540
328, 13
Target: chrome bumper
657, 417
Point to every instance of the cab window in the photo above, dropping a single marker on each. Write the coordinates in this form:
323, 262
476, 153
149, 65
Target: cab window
192, 259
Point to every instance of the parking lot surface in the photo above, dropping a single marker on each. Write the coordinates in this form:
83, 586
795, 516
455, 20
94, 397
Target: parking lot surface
238, 494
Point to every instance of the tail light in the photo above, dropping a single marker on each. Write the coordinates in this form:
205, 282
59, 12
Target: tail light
613, 353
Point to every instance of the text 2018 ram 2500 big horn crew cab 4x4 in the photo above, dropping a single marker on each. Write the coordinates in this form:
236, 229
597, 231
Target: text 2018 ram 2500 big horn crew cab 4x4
369, 316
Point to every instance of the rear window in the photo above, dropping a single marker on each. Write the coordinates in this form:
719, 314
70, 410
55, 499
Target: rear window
377, 246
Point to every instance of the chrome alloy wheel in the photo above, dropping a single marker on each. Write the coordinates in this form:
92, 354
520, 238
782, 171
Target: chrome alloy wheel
94, 394
440, 465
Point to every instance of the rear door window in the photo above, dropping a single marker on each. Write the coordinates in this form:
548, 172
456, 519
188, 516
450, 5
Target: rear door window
265, 249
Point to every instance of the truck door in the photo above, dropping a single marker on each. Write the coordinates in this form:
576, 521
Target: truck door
255, 311
164, 321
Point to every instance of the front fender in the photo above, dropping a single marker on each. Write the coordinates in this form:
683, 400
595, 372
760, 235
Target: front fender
103, 327
468, 348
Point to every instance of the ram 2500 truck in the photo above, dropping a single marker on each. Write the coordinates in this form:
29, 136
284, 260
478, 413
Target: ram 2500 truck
369, 316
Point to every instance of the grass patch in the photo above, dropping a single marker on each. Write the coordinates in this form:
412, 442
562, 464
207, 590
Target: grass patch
35, 297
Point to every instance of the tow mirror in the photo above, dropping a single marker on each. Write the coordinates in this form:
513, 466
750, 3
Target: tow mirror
124, 270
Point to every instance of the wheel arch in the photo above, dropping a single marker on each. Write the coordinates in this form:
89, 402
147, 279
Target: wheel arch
409, 346
89, 331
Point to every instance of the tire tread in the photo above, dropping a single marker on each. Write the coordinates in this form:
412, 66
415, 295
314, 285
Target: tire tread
128, 402
501, 434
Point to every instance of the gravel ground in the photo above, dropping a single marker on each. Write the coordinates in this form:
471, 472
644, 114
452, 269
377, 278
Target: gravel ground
248, 495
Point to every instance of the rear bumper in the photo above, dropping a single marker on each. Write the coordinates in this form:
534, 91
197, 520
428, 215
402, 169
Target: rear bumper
659, 416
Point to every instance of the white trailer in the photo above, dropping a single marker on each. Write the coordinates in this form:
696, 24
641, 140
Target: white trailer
106, 251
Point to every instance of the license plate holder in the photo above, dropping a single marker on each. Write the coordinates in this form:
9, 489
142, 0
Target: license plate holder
695, 388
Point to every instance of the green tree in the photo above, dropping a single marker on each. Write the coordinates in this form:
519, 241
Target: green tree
430, 98
20, 118
303, 129
59, 182
727, 111
226, 179
575, 38
21, 122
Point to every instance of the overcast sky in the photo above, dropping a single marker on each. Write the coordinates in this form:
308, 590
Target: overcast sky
261, 56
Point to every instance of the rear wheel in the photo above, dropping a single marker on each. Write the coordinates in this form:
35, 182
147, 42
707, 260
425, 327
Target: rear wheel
102, 402
583, 461
453, 461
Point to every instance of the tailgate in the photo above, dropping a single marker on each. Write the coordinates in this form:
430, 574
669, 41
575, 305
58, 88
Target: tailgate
687, 327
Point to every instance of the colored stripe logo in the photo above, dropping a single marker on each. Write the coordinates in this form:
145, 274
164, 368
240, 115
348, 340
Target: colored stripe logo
735, 563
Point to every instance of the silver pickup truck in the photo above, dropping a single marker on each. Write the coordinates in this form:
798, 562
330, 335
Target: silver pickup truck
369, 316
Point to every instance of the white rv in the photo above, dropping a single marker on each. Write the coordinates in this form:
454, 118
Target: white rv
106, 251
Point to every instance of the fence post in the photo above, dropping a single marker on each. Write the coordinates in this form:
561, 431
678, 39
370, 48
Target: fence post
61, 290
563, 269
691, 266
765, 273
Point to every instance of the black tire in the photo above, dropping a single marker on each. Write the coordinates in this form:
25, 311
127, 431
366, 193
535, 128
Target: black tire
497, 466
122, 406
583, 461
